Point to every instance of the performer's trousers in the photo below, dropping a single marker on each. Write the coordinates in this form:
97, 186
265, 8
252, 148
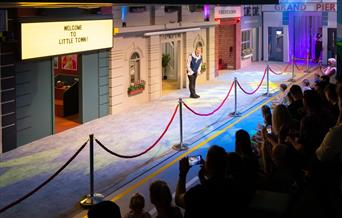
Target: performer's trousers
192, 84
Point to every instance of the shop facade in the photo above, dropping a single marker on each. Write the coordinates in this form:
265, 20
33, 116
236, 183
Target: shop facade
52, 70
152, 47
228, 38
251, 35
290, 29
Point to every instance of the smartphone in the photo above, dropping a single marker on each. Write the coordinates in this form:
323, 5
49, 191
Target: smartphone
195, 160
269, 129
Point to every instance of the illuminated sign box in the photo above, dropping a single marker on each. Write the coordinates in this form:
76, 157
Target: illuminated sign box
44, 39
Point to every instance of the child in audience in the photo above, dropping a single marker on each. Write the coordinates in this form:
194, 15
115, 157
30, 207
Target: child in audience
137, 205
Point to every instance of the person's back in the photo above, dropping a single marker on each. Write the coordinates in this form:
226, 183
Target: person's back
104, 209
137, 204
296, 106
215, 198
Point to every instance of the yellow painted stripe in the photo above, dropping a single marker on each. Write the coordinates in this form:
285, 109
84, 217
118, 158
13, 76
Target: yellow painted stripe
160, 170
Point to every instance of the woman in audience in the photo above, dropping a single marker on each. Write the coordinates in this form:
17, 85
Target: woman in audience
137, 204
161, 198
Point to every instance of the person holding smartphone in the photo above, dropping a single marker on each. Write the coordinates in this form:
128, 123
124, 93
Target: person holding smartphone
214, 197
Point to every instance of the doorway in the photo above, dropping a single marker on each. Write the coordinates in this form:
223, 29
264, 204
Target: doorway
170, 66
66, 69
303, 30
275, 43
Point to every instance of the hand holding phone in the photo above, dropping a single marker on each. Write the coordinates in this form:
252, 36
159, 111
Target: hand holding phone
269, 129
195, 160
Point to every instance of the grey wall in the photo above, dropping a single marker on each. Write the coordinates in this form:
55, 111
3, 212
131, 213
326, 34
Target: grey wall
94, 86
34, 100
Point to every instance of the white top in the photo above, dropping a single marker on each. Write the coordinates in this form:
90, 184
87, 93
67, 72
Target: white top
193, 55
331, 145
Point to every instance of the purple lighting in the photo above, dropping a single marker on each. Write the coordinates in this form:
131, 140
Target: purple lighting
206, 10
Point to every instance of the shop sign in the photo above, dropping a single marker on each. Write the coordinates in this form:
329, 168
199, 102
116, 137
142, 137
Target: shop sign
250, 22
171, 36
43, 39
227, 12
327, 7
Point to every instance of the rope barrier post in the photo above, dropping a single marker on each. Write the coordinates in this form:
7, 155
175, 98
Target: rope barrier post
293, 69
307, 63
92, 198
180, 146
235, 113
268, 81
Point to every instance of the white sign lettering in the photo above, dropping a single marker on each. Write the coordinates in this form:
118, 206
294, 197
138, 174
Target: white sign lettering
328, 7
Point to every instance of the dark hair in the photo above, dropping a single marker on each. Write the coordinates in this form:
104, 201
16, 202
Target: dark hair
330, 90
267, 114
243, 143
312, 100
296, 92
325, 78
216, 160
160, 193
283, 86
306, 82
104, 209
137, 202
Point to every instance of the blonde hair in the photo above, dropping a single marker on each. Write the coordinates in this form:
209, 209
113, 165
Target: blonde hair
280, 117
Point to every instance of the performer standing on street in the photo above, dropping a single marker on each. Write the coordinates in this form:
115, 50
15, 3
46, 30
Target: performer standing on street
318, 45
194, 64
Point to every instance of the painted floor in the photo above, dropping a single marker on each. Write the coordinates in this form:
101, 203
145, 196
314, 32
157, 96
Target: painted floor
130, 132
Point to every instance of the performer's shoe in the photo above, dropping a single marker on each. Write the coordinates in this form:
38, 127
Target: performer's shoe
194, 96
197, 96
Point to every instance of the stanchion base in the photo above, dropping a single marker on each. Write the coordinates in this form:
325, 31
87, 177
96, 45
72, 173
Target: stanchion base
291, 80
267, 94
88, 201
235, 114
180, 147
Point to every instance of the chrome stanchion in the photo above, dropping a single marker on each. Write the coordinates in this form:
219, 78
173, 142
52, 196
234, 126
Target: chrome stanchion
268, 81
92, 198
235, 113
293, 70
307, 63
180, 146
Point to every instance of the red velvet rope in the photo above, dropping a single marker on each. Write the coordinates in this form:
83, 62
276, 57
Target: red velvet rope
251, 93
45, 182
149, 148
218, 108
287, 67
272, 71
298, 67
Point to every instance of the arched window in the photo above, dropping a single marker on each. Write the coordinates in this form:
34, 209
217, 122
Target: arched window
134, 67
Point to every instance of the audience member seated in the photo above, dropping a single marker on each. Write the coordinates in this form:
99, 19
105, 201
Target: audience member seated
331, 146
282, 97
296, 107
331, 96
313, 126
161, 198
137, 204
104, 209
215, 196
267, 117
306, 85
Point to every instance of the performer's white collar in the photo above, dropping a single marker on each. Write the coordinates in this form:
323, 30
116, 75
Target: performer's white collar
194, 55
